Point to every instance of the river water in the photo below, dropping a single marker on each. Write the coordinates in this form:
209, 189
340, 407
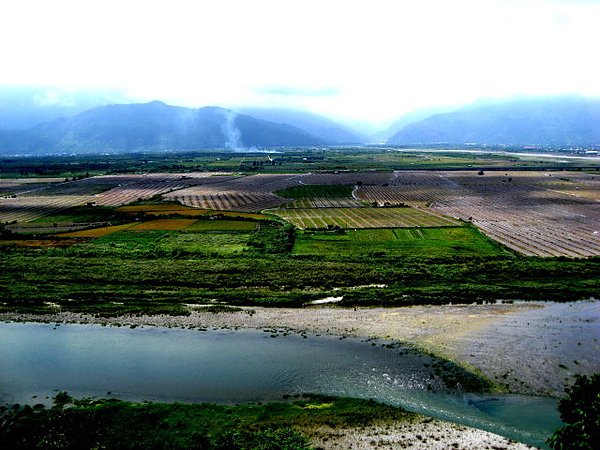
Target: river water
161, 364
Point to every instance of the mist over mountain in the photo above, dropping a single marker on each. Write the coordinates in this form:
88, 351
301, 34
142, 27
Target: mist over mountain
406, 119
152, 126
314, 124
23, 107
534, 121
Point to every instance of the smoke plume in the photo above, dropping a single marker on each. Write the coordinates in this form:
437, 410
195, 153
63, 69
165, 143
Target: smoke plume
232, 133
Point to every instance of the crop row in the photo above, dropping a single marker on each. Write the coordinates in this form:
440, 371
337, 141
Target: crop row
394, 195
274, 182
550, 230
102, 190
362, 218
226, 201
123, 195
18, 186
324, 202
534, 213
23, 209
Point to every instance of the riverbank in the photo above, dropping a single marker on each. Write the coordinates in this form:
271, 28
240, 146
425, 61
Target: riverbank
424, 433
301, 422
527, 348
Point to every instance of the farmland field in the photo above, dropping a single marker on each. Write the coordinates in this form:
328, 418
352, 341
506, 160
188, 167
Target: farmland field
14, 186
151, 240
539, 213
316, 191
97, 232
157, 209
324, 202
318, 218
106, 190
320, 196
103, 190
176, 209
254, 242
26, 208
247, 194
533, 213
222, 225
41, 243
223, 243
164, 224
258, 192
225, 200
528, 213
443, 241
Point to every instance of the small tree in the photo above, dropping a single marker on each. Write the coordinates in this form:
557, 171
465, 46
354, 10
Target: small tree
580, 410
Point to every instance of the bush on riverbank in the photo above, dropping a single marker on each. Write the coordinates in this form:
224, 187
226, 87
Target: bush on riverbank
580, 410
122, 425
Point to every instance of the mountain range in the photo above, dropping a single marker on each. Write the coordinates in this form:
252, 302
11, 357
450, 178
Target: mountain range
152, 126
314, 124
156, 126
538, 121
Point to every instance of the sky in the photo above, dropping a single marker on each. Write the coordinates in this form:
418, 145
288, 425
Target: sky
352, 60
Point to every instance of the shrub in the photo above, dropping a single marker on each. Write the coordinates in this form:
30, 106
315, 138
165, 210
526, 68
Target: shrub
580, 410
275, 439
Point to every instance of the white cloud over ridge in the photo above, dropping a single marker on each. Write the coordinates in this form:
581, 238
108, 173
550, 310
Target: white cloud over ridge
368, 60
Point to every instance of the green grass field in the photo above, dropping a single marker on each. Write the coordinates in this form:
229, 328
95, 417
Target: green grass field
167, 242
223, 225
126, 241
204, 243
436, 242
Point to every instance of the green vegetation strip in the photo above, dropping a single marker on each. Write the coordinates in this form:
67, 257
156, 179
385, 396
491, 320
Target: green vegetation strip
142, 282
292, 161
117, 424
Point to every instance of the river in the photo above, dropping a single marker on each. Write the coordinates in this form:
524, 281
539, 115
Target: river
161, 364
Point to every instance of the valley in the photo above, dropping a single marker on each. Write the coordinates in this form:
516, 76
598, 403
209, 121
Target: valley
449, 263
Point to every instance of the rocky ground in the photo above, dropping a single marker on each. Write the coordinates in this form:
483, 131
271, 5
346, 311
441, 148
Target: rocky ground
425, 434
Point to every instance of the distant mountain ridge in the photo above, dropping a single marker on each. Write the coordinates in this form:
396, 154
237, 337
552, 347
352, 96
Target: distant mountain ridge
546, 121
152, 126
156, 126
314, 124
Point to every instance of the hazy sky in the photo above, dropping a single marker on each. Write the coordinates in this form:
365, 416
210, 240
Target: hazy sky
366, 60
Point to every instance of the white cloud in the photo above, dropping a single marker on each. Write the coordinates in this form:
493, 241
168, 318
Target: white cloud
53, 97
380, 57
